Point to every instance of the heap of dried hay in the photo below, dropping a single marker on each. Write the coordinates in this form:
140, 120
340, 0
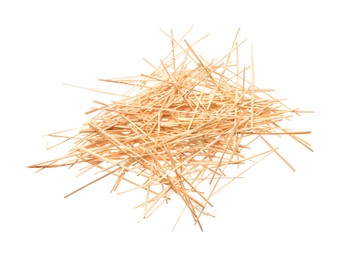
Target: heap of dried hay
187, 121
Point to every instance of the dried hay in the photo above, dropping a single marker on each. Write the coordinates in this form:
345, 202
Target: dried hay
180, 128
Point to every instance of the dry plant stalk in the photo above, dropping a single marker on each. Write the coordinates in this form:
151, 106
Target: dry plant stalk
180, 128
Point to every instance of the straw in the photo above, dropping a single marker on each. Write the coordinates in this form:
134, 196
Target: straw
179, 129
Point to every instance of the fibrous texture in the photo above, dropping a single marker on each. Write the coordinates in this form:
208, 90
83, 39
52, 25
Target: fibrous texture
180, 127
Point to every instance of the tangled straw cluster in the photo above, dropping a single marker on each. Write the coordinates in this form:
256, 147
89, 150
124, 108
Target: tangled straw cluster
179, 128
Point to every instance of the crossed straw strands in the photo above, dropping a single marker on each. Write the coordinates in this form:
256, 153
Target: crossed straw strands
178, 129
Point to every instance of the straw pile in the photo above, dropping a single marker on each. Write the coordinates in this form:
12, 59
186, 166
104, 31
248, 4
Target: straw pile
179, 128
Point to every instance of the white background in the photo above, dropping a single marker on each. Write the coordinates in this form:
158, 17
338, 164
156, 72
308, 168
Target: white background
273, 213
